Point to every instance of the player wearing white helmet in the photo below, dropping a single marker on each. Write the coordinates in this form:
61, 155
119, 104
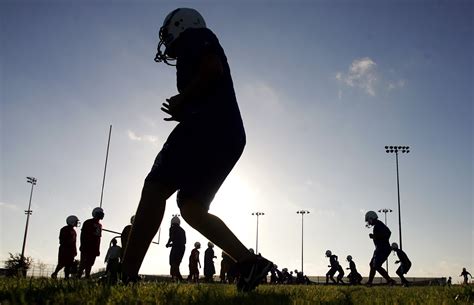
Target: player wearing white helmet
405, 264
334, 267
209, 268
194, 263
91, 234
177, 242
201, 150
67, 247
380, 236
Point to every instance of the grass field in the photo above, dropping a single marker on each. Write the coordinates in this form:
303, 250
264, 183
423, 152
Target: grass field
47, 291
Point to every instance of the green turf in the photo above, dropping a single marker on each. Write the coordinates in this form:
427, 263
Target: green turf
47, 291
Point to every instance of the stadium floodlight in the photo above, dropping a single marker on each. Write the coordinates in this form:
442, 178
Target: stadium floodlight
398, 149
258, 214
28, 212
302, 212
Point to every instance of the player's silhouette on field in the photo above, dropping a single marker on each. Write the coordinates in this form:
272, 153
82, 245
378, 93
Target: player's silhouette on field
405, 264
177, 242
200, 151
67, 247
91, 233
380, 235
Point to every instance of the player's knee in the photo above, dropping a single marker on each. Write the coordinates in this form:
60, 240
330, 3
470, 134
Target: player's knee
191, 213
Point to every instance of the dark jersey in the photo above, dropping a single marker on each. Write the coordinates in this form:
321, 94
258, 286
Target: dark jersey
381, 234
352, 266
67, 240
177, 236
402, 257
194, 258
90, 236
333, 261
219, 105
209, 268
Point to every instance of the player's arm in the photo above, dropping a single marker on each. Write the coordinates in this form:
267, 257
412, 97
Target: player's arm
210, 69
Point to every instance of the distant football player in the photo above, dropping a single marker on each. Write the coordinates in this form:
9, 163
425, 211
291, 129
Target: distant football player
380, 236
405, 264
91, 234
67, 247
177, 242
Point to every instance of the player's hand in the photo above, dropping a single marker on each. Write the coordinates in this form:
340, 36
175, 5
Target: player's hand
371, 235
396, 262
168, 245
173, 106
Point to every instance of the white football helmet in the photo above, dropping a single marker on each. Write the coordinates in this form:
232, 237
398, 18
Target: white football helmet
73, 221
176, 23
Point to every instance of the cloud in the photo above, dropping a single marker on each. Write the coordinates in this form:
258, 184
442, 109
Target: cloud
145, 138
361, 74
8, 206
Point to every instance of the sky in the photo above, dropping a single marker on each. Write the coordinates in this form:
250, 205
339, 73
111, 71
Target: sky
322, 87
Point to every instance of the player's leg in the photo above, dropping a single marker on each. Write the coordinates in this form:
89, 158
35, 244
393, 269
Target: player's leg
214, 229
145, 226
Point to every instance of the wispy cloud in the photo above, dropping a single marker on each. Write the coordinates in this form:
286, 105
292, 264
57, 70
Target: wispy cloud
8, 206
142, 138
361, 74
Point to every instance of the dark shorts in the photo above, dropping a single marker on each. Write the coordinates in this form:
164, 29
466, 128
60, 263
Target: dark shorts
195, 160
380, 256
331, 271
87, 259
176, 255
403, 269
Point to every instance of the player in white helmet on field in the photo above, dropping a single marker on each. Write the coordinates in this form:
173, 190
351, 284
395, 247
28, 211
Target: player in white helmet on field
177, 242
380, 236
67, 247
202, 149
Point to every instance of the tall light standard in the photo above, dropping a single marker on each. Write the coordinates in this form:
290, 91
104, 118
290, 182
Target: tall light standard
28, 212
302, 212
385, 211
258, 214
396, 150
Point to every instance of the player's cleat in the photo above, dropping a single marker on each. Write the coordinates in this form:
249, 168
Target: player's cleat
252, 273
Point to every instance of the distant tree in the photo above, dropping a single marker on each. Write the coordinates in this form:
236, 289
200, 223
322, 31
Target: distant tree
18, 265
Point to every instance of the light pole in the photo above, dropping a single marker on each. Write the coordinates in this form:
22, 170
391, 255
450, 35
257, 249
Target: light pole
302, 212
28, 212
385, 211
258, 214
396, 149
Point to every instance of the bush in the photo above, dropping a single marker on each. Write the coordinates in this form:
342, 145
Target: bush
18, 265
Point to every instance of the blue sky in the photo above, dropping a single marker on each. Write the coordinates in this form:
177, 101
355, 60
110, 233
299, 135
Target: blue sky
322, 86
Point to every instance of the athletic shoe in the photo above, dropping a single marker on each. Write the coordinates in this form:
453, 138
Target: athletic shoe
252, 273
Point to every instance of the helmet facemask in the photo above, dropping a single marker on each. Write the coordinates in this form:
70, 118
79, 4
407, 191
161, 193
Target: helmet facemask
176, 23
